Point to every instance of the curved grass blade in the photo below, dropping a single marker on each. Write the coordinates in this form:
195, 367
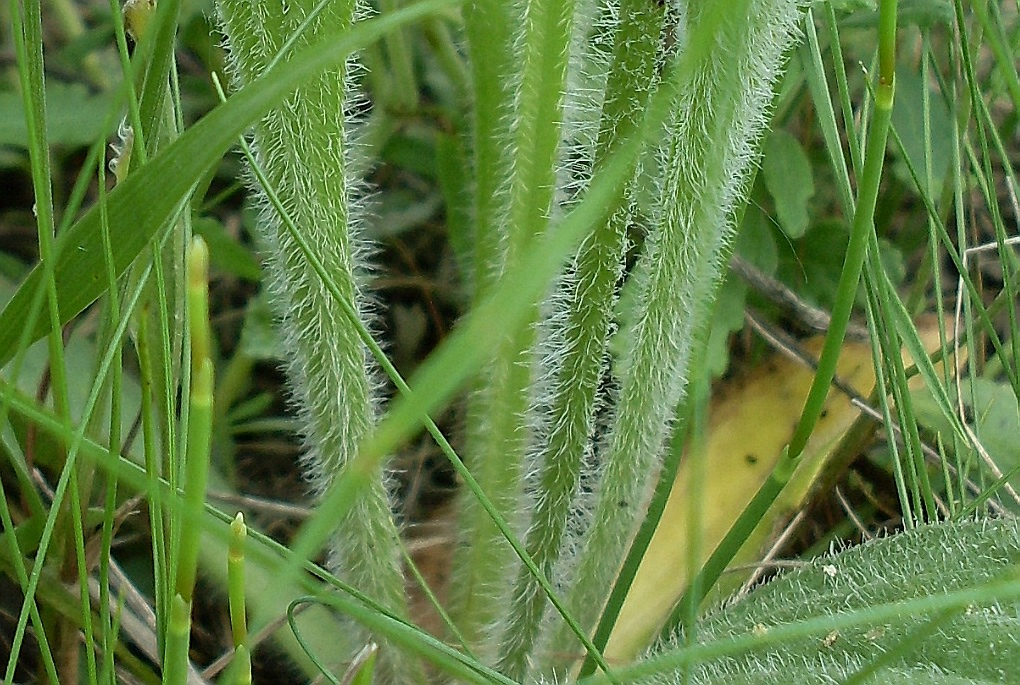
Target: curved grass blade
140, 206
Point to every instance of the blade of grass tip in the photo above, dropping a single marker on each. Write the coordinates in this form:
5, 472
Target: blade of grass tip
361, 608
236, 601
175, 659
235, 582
240, 667
140, 205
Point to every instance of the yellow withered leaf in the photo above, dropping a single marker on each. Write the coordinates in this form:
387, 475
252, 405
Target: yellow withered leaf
751, 420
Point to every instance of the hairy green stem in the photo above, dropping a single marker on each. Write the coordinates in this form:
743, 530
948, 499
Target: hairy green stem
711, 143
501, 437
304, 149
580, 361
853, 264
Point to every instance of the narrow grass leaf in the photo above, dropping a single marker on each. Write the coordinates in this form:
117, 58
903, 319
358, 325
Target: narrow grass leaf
143, 203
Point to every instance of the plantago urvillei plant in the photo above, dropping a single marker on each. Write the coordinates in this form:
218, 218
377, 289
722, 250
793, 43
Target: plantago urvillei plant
544, 380
605, 151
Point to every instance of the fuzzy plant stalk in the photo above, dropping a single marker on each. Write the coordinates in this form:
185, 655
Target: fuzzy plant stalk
710, 147
303, 147
488, 27
577, 358
497, 449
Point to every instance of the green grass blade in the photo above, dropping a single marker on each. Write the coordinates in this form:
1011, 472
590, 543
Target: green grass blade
144, 202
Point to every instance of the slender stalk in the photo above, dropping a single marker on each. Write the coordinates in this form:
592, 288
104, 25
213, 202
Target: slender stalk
110, 500
236, 599
200, 421
498, 453
580, 362
862, 224
28, 43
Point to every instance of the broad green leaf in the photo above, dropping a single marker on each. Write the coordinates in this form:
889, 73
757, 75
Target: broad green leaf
975, 643
787, 174
140, 206
74, 118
